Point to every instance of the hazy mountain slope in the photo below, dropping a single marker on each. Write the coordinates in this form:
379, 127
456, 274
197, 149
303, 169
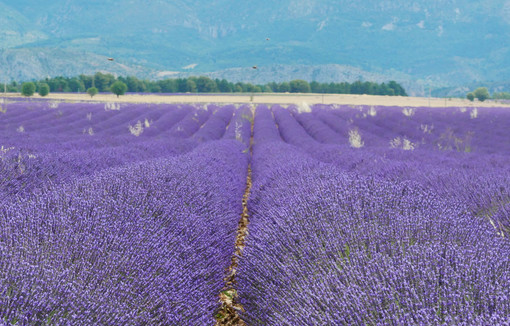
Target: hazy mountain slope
38, 63
451, 42
16, 29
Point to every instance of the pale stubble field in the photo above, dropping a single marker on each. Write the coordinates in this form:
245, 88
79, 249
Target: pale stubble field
262, 98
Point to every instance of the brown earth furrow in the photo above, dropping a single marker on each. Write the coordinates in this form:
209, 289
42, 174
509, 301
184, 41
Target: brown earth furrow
228, 313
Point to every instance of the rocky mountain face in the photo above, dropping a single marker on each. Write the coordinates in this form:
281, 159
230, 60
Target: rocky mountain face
445, 43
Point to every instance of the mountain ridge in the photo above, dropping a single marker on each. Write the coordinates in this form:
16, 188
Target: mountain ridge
442, 43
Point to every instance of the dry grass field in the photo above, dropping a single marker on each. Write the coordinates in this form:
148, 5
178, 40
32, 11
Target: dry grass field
274, 99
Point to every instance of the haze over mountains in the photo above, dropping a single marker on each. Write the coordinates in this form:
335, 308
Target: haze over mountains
444, 43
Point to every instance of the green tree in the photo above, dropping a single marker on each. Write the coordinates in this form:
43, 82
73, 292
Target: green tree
168, 86
357, 87
224, 86
238, 88
92, 91
470, 96
267, 89
86, 80
399, 90
118, 88
28, 89
103, 81
154, 88
481, 93
191, 86
182, 85
315, 87
299, 86
134, 84
76, 85
501, 96
206, 85
44, 89
283, 87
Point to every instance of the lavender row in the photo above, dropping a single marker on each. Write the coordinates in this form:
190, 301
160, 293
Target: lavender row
473, 170
55, 153
147, 243
215, 126
378, 235
330, 248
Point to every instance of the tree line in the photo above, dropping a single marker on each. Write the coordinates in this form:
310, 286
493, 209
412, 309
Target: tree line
482, 94
101, 82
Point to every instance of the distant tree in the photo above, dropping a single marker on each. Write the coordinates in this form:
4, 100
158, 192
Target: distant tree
103, 81
398, 90
118, 88
86, 80
92, 91
383, 90
249, 87
284, 87
76, 85
44, 89
224, 86
59, 84
481, 93
274, 86
238, 88
168, 86
206, 85
191, 86
134, 84
344, 88
154, 88
470, 96
501, 96
267, 89
182, 85
13, 87
28, 89
316, 87
357, 87
299, 86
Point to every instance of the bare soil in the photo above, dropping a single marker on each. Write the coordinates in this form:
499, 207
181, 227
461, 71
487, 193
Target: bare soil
228, 313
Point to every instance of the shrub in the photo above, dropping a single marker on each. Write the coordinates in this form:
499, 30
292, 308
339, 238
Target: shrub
44, 89
118, 88
92, 91
481, 94
28, 89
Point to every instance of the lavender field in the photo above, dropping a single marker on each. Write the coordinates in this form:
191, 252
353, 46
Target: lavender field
130, 214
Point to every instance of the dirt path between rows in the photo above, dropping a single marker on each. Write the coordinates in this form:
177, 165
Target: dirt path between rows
228, 313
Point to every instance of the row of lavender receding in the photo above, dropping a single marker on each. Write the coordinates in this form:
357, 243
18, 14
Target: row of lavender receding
378, 234
123, 225
126, 214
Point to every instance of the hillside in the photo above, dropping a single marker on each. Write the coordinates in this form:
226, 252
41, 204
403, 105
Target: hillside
444, 43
